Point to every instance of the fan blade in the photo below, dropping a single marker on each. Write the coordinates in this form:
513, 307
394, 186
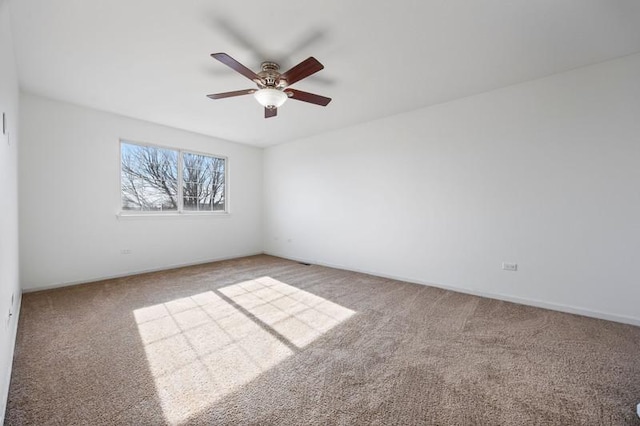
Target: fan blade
299, 95
231, 94
232, 63
303, 70
270, 112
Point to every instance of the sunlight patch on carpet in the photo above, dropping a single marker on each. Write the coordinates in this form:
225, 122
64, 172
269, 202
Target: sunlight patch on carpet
203, 347
297, 315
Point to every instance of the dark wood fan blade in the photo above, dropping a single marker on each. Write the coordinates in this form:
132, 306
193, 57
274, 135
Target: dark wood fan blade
233, 64
270, 112
231, 94
303, 70
299, 95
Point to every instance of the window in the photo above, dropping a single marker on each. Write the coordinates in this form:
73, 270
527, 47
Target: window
169, 180
203, 182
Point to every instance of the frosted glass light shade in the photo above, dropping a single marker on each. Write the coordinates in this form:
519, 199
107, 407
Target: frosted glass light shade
270, 98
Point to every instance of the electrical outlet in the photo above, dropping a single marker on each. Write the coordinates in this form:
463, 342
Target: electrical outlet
509, 266
125, 251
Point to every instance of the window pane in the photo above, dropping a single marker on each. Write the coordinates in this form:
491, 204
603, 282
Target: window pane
149, 178
204, 186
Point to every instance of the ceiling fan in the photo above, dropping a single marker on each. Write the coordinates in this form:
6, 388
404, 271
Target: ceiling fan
273, 87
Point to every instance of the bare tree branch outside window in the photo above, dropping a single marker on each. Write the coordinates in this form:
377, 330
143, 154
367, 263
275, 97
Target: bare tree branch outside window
203, 187
149, 180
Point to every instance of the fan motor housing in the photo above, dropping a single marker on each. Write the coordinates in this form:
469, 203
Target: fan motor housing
270, 75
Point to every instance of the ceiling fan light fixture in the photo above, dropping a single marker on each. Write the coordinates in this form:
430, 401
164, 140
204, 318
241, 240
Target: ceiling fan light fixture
270, 98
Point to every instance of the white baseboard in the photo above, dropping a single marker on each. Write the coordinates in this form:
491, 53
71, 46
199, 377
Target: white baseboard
508, 298
14, 335
136, 272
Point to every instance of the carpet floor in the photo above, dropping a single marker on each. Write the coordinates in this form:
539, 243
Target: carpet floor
262, 340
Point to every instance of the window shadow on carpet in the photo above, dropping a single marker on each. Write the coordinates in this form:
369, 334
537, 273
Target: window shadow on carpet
203, 347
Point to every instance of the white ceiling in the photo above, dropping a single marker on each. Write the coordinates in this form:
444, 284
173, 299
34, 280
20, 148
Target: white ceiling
149, 59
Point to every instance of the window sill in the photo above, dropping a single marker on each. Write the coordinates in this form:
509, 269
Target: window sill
172, 215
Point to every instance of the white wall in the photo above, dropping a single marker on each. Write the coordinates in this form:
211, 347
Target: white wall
70, 194
545, 174
9, 278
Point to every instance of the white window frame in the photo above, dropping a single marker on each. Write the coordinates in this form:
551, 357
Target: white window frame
180, 199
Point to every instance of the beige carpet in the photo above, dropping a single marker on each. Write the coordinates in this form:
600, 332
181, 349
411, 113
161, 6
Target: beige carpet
262, 340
